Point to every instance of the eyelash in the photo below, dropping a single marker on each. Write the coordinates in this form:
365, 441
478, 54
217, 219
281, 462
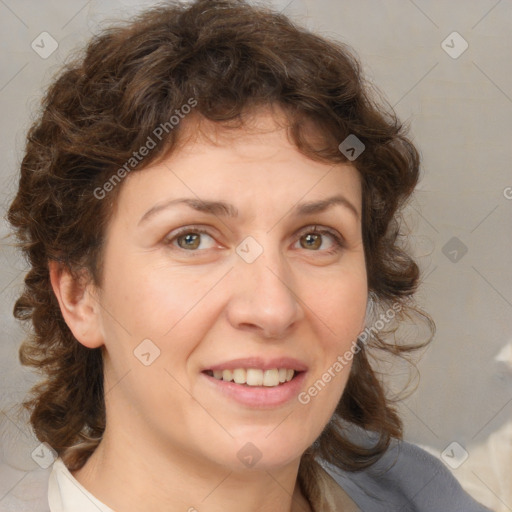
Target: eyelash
338, 244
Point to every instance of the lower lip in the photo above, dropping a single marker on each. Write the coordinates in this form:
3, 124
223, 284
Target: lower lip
259, 396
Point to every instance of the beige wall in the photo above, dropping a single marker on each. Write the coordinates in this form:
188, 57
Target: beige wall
460, 112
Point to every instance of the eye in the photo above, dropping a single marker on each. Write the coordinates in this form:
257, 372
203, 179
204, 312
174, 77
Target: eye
191, 239
194, 239
314, 239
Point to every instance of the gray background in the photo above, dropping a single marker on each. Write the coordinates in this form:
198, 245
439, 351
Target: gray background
460, 112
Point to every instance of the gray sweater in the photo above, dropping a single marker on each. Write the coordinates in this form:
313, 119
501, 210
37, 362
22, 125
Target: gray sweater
405, 479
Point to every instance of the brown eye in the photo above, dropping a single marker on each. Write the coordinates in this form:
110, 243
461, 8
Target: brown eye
190, 241
315, 238
311, 241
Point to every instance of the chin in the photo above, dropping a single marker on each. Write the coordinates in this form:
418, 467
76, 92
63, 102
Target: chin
264, 449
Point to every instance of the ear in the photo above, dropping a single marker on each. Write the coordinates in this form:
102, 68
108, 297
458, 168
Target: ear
78, 304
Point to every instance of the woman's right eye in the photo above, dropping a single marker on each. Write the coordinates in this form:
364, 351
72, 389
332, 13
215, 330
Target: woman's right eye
191, 240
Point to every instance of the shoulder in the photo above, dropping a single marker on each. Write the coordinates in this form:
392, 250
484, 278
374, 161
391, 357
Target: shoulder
405, 478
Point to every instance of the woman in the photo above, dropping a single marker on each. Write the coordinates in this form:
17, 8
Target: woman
210, 206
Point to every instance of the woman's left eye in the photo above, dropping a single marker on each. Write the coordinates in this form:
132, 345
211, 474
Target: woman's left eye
313, 239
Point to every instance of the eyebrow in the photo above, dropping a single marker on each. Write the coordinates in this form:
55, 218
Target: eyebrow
223, 209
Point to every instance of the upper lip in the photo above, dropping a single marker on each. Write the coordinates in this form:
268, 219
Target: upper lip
260, 363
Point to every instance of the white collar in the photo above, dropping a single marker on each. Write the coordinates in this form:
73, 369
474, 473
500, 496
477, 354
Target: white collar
66, 494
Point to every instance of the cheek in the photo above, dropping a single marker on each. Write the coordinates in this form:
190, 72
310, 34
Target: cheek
150, 300
340, 306
157, 303
339, 309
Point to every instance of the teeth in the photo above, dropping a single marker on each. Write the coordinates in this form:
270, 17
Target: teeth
255, 376
239, 376
271, 377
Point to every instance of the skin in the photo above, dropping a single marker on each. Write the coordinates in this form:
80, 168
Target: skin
171, 440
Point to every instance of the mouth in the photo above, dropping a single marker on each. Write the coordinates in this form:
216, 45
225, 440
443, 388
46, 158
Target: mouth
257, 384
255, 377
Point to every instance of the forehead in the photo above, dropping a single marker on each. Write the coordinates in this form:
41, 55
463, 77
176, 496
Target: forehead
256, 127
253, 162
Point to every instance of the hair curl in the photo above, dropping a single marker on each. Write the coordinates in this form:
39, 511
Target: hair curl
231, 57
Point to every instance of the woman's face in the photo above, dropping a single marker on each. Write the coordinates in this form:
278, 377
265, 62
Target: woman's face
212, 269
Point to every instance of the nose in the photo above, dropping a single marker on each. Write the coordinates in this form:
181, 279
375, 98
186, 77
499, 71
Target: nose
264, 299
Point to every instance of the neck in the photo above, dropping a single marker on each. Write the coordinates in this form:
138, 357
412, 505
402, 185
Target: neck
131, 476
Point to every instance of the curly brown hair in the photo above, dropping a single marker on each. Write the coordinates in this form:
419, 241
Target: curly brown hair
231, 57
